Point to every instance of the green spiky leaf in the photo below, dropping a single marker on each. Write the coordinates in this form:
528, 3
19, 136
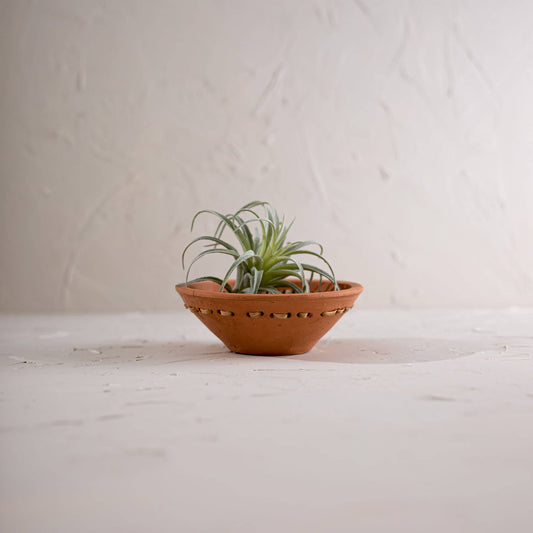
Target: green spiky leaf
266, 259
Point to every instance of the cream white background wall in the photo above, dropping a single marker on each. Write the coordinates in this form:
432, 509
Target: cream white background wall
398, 133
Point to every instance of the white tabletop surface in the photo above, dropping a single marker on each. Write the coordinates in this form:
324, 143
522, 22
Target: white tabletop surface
397, 421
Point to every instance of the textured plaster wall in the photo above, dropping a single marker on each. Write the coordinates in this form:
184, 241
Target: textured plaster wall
399, 133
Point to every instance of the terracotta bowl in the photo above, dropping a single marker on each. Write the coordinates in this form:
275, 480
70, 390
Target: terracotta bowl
267, 324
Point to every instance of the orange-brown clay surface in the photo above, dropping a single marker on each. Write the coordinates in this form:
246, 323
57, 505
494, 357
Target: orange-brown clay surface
267, 324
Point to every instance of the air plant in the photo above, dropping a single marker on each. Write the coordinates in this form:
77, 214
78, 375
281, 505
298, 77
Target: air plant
266, 260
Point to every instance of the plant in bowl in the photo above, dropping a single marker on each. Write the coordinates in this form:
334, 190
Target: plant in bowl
277, 303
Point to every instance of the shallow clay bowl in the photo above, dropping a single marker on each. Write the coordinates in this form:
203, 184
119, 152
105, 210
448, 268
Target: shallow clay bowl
269, 324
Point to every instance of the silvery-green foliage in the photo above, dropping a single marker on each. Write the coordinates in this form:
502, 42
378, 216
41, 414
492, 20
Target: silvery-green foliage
266, 259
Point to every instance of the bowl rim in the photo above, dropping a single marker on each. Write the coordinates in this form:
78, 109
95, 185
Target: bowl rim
349, 288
